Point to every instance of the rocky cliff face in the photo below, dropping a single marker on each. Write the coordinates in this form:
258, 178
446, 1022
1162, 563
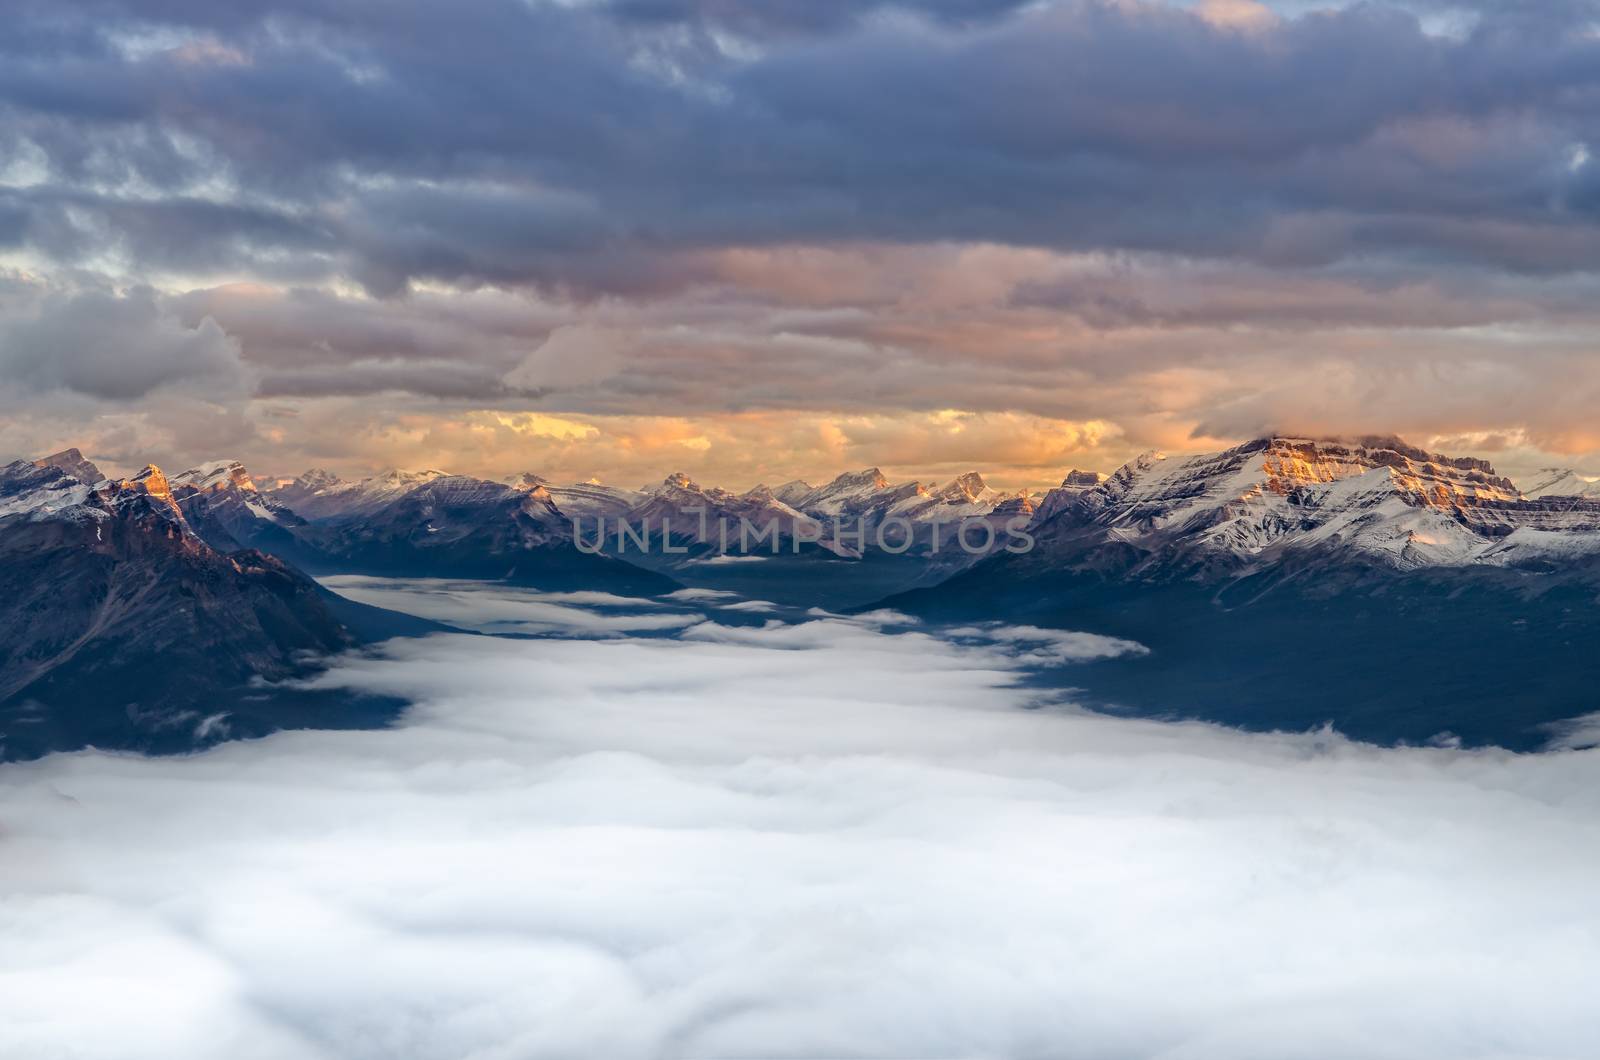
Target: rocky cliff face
222, 505
1378, 500
72, 462
1288, 583
433, 525
121, 627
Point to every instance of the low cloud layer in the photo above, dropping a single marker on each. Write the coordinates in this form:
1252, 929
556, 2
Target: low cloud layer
839, 837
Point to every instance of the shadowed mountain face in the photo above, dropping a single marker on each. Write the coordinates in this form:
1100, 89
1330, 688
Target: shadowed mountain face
224, 508
120, 627
1287, 583
447, 526
1284, 583
850, 541
72, 462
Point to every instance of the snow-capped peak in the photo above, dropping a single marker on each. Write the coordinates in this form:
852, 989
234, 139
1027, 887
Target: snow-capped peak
215, 475
1375, 496
680, 481
317, 478
969, 487
870, 479
36, 489
72, 462
793, 491
1561, 482
151, 480
527, 481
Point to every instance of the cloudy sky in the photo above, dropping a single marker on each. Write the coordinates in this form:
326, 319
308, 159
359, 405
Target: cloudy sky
758, 240
825, 837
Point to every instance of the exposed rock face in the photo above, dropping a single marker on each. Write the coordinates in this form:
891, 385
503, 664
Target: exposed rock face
1059, 498
72, 462
319, 494
853, 507
1246, 507
435, 525
588, 501
699, 516
1288, 583
120, 627
221, 503
1082, 479
1561, 482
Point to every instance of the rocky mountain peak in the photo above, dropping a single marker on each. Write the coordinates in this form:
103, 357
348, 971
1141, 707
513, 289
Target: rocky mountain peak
1082, 479
217, 475
1561, 482
73, 463
151, 481
679, 481
1430, 478
870, 477
528, 481
969, 486
316, 478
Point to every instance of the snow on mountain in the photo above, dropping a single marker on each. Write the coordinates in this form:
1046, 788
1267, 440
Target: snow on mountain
1373, 497
218, 474
586, 501
861, 502
699, 514
848, 491
1561, 482
72, 462
318, 494
120, 625
965, 497
792, 492
34, 489
147, 490
225, 507
1071, 486
40, 491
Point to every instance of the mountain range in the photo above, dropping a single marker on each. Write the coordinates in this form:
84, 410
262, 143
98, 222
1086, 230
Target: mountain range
120, 626
1285, 582
1290, 582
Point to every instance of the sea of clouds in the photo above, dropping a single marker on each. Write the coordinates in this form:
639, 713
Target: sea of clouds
805, 837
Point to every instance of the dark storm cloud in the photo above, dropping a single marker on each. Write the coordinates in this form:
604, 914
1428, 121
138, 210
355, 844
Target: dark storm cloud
799, 15
589, 148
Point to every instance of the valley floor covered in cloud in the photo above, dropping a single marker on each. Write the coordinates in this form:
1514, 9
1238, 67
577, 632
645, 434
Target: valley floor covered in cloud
818, 837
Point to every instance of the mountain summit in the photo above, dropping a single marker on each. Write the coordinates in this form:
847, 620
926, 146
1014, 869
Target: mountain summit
72, 462
1288, 582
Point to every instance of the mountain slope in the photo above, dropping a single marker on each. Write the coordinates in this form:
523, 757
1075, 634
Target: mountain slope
1290, 582
587, 501
1561, 482
455, 526
222, 505
320, 494
120, 627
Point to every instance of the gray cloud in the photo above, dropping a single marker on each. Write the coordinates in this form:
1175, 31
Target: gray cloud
114, 347
586, 146
1132, 212
814, 839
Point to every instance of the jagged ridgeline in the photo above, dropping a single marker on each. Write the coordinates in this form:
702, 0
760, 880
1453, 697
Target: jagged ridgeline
121, 627
1286, 582
1289, 582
